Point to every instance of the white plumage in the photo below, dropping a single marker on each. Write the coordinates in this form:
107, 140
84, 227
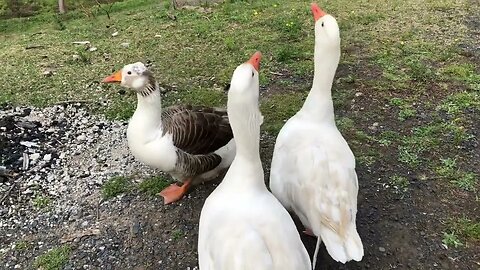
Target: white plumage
242, 225
313, 168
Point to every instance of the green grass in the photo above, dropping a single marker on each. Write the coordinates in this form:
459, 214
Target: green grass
465, 180
54, 259
177, 234
406, 110
22, 245
451, 240
469, 229
41, 202
278, 108
115, 186
399, 183
153, 185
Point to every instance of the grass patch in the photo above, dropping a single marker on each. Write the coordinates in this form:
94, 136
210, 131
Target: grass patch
467, 228
54, 259
457, 103
115, 186
467, 181
177, 234
463, 72
22, 245
449, 170
399, 183
153, 185
451, 240
41, 202
406, 110
278, 108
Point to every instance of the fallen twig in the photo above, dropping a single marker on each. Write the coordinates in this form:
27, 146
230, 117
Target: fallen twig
26, 161
76, 235
8, 192
34, 47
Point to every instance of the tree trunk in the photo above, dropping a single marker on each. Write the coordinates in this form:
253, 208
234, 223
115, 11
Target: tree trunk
61, 6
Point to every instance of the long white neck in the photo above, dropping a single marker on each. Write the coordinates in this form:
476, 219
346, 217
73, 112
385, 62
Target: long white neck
319, 104
245, 121
149, 107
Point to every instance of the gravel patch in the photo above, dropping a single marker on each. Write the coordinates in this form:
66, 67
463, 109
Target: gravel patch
54, 163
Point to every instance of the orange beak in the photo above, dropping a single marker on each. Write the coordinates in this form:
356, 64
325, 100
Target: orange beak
114, 78
317, 12
255, 60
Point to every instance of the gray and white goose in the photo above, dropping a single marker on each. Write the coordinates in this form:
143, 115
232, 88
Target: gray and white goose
194, 144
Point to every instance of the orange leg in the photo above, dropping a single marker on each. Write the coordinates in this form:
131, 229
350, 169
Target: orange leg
309, 232
174, 193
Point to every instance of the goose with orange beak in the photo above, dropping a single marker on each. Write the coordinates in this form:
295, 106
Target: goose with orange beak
242, 225
313, 169
193, 144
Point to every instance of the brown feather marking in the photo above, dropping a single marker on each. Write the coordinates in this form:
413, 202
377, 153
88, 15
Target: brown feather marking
197, 130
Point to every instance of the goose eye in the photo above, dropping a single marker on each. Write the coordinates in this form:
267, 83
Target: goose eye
253, 74
323, 24
129, 73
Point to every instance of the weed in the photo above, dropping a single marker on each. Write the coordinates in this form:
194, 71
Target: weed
153, 185
448, 167
54, 259
467, 228
278, 109
22, 245
399, 183
41, 202
345, 124
177, 234
115, 186
408, 156
366, 160
406, 109
456, 103
451, 240
466, 181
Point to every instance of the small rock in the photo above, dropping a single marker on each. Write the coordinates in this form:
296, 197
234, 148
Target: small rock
81, 138
115, 34
92, 49
34, 156
47, 157
47, 73
76, 57
125, 44
381, 249
358, 94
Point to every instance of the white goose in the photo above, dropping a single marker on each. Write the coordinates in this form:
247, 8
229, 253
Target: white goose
193, 144
313, 168
242, 225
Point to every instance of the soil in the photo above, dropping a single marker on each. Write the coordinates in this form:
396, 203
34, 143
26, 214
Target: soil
136, 231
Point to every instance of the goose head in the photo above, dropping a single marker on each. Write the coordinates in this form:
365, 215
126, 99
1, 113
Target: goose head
244, 86
327, 32
242, 106
135, 76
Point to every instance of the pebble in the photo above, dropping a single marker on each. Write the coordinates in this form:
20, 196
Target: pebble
47, 157
381, 249
34, 156
81, 138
